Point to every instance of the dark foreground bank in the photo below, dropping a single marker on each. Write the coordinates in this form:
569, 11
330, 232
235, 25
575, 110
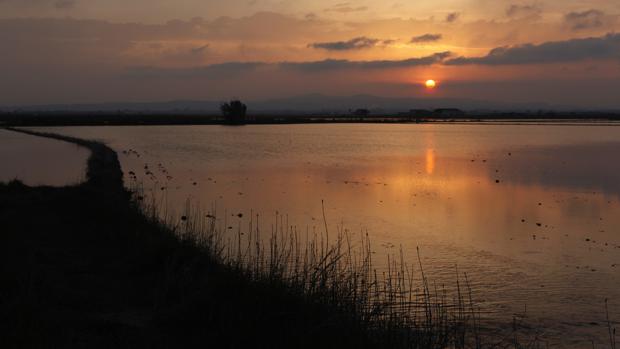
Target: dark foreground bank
82, 266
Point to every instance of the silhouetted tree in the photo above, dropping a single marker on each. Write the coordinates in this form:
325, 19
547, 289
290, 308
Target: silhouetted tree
234, 111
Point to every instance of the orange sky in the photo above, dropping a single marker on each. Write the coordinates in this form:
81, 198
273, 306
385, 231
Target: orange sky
109, 50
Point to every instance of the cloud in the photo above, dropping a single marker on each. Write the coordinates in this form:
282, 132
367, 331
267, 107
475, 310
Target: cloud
515, 10
199, 50
64, 4
452, 17
605, 47
333, 64
585, 20
353, 44
346, 8
426, 38
240, 68
311, 16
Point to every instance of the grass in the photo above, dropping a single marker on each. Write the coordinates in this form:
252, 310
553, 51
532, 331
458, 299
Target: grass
95, 265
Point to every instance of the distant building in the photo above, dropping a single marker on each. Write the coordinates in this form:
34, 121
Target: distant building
448, 112
361, 112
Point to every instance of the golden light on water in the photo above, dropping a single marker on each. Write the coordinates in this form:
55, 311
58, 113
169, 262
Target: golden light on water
430, 161
430, 84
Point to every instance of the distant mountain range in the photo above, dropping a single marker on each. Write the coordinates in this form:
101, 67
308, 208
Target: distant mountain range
305, 104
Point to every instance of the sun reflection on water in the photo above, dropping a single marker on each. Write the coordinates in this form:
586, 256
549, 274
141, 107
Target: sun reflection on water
430, 161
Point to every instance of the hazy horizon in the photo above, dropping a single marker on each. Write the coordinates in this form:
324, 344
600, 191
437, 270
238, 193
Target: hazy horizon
310, 103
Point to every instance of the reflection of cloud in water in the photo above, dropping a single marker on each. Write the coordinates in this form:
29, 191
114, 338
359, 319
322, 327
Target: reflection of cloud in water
592, 167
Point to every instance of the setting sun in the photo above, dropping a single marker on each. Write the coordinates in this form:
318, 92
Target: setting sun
430, 84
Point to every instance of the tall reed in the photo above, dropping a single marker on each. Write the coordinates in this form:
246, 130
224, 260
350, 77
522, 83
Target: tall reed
398, 304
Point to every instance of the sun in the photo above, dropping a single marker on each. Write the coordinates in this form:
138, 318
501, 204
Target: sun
430, 84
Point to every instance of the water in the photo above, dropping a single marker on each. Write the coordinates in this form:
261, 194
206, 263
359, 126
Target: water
530, 212
40, 161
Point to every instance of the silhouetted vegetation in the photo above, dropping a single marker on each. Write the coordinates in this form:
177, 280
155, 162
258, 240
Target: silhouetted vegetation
234, 112
361, 112
197, 118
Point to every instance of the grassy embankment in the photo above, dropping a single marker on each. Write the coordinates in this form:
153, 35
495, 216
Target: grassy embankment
88, 266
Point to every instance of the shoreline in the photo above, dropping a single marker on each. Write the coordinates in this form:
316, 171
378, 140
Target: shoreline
83, 266
87, 266
104, 119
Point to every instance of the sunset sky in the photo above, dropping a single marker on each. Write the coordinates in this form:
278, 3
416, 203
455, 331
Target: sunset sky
560, 52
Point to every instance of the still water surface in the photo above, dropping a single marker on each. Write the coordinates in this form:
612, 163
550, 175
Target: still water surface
530, 212
40, 161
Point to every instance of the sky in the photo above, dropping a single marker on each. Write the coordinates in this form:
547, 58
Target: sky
557, 52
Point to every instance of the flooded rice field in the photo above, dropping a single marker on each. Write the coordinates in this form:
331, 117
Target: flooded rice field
530, 212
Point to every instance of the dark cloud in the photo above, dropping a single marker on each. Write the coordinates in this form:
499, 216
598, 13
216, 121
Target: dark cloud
199, 50
311, 16
353, 44
346, 7
605, 47
333, 64
452, 17
426, 38
240, 68
523, 10
585, 20
64, 4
